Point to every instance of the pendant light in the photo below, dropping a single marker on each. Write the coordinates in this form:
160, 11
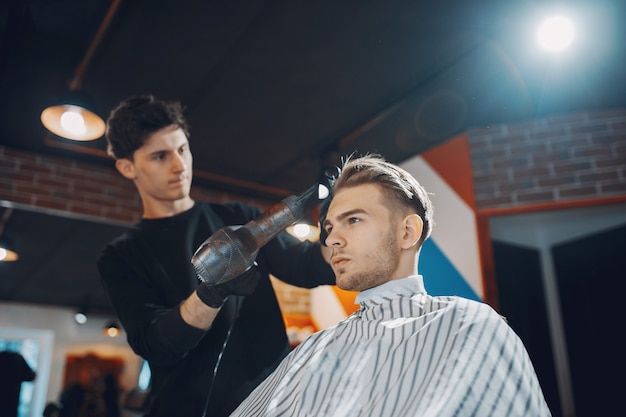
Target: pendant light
112, 329
73, 117
6, 250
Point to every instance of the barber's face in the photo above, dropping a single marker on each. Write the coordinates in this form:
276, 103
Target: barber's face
363, 238
162, 167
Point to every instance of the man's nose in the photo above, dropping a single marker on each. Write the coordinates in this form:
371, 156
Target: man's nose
334, 238
179, 163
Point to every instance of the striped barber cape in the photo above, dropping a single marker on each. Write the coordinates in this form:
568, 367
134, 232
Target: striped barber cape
405, 353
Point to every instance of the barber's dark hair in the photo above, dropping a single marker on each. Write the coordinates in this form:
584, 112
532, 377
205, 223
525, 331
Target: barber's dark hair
396, 183
136, 118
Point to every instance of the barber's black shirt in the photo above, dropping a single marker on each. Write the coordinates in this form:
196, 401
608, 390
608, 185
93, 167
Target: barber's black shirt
148, 273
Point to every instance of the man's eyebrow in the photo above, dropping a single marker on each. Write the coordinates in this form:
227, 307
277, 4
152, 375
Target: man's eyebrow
156, 152
167, 149
344, 215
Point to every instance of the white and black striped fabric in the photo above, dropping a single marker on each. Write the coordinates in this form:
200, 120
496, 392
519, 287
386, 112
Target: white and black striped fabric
405, 353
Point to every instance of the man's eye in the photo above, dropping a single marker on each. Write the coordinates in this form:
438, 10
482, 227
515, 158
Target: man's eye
354, 220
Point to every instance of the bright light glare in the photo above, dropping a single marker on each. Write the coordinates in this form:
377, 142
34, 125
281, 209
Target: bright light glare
556, 33
301, 230
7, 255
72, 120
80, 318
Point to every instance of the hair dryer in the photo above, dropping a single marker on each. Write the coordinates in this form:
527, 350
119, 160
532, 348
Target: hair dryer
231, 250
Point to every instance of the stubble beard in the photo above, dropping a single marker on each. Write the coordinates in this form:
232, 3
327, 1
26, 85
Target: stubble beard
378, 270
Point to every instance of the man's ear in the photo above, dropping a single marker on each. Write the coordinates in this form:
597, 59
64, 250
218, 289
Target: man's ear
412, 226
125, 167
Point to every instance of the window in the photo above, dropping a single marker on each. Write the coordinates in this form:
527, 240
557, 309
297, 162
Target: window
29, 349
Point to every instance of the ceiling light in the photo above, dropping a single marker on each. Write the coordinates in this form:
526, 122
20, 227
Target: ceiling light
7, 255
556, 33
111, 329
304, 230
80, 317
74, 118
6, 252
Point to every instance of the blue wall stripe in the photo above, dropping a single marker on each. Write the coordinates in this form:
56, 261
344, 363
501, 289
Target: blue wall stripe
440, 276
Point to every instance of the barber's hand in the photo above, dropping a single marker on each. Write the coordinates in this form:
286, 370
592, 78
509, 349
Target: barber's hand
215, 295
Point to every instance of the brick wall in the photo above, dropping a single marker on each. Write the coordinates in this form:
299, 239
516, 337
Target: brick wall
571, 157
83, 189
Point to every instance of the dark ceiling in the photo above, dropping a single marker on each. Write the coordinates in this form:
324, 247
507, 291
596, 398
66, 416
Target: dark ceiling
275, 91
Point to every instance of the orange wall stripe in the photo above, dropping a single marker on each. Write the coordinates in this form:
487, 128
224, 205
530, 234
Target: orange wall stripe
453, 163
300, 321
346, 298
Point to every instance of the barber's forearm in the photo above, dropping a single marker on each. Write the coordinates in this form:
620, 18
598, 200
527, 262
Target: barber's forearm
196, 313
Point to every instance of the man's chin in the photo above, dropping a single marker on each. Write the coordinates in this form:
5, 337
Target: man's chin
180, 193
345, 282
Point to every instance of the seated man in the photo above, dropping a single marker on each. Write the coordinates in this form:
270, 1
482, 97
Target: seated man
404, 353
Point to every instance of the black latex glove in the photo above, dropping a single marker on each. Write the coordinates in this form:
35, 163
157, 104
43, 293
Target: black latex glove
244, 284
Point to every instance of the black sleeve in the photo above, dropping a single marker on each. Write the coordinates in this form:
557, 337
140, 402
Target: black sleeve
155, 329
296, 263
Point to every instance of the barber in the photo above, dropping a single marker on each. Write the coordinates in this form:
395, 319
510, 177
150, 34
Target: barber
208, 347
